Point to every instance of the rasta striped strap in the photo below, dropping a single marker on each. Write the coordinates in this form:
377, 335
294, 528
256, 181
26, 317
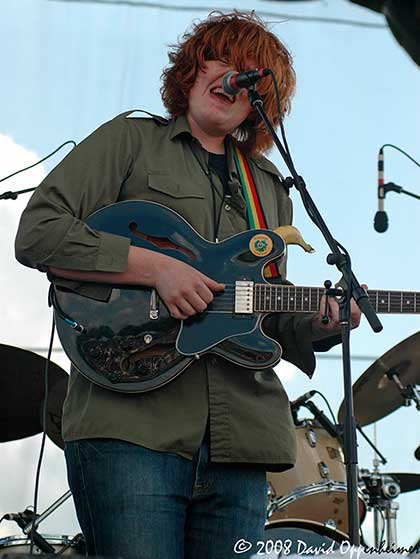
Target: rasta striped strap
255, 212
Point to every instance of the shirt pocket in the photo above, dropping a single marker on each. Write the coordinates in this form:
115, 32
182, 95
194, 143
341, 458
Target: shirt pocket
186, 199
165, 185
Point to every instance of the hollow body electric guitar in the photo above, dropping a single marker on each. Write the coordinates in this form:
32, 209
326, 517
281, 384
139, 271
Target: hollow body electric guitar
130, 343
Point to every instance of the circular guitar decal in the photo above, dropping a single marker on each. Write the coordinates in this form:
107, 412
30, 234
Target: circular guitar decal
260, 245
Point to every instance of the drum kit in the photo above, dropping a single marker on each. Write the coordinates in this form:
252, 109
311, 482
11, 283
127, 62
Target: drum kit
22, 390
307, 505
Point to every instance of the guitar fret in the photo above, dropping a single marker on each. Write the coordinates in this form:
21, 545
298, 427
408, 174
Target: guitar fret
408, 302
274, 297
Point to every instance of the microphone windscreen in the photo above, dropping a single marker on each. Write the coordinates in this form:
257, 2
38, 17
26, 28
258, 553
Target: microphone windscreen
381, 222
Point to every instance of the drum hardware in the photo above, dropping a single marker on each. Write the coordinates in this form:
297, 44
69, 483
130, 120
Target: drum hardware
18, 546
41, 517
29, 525
324, 470
382, 489
409, 392
311, 436
22, 519
389, 383
378, 454
319, 415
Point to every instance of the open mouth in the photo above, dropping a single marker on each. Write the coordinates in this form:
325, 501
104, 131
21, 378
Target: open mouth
222, 95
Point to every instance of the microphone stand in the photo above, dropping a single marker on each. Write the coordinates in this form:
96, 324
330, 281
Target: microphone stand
392, 187
341, 259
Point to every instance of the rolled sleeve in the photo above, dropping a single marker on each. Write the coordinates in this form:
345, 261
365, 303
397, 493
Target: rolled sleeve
52, 231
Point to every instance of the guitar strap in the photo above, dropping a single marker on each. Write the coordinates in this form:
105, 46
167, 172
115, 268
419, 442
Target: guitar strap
255, 212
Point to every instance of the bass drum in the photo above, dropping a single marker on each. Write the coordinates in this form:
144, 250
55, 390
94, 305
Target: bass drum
299, 537
63, 545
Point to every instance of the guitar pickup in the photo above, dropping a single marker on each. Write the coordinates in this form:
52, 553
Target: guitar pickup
244, 297
154, 305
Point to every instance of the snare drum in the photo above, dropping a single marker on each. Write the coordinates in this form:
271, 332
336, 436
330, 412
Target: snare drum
315, 489
64, 545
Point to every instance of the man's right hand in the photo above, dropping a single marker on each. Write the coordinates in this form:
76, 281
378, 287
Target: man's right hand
184, 290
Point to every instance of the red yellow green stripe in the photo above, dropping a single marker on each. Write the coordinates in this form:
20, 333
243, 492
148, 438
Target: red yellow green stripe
255, 213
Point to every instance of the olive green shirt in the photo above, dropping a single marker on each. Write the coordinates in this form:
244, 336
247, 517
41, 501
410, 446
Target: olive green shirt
135, 156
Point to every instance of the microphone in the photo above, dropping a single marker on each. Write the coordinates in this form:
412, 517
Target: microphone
233, 82
296, 404
381, 219
417, 453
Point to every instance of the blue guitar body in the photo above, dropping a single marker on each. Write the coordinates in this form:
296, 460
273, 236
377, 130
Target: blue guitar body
130, 343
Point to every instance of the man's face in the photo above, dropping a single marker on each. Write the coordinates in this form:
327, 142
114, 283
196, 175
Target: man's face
216, 113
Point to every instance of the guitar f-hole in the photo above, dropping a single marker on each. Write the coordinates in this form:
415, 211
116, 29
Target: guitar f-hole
159, 242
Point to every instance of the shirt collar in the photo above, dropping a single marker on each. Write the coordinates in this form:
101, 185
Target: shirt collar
179, 126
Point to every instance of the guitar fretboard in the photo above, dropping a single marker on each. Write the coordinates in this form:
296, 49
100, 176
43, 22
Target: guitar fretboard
284, 298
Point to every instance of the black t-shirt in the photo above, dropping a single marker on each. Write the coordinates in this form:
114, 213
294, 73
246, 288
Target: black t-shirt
218, 164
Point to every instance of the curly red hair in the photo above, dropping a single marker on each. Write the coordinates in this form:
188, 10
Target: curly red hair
232, 38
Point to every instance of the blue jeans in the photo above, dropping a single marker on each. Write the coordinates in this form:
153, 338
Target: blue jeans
136, 503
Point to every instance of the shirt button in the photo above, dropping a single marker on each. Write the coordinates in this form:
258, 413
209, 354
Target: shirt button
227, 207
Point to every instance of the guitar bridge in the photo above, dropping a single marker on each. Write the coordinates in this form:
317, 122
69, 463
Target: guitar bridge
244, 297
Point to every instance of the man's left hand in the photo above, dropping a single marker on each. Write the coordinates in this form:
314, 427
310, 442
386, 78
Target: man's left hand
333, 327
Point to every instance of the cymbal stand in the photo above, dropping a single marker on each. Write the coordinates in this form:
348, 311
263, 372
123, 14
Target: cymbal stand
375, 448
409, 392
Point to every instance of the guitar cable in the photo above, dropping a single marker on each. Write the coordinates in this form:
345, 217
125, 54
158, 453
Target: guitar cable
37, 163
53, 302
44, 435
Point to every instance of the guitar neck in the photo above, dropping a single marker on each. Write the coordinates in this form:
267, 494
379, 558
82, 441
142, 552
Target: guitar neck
290, 298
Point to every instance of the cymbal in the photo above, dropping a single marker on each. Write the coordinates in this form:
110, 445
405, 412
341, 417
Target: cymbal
407, 482
22, 395
375, 395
